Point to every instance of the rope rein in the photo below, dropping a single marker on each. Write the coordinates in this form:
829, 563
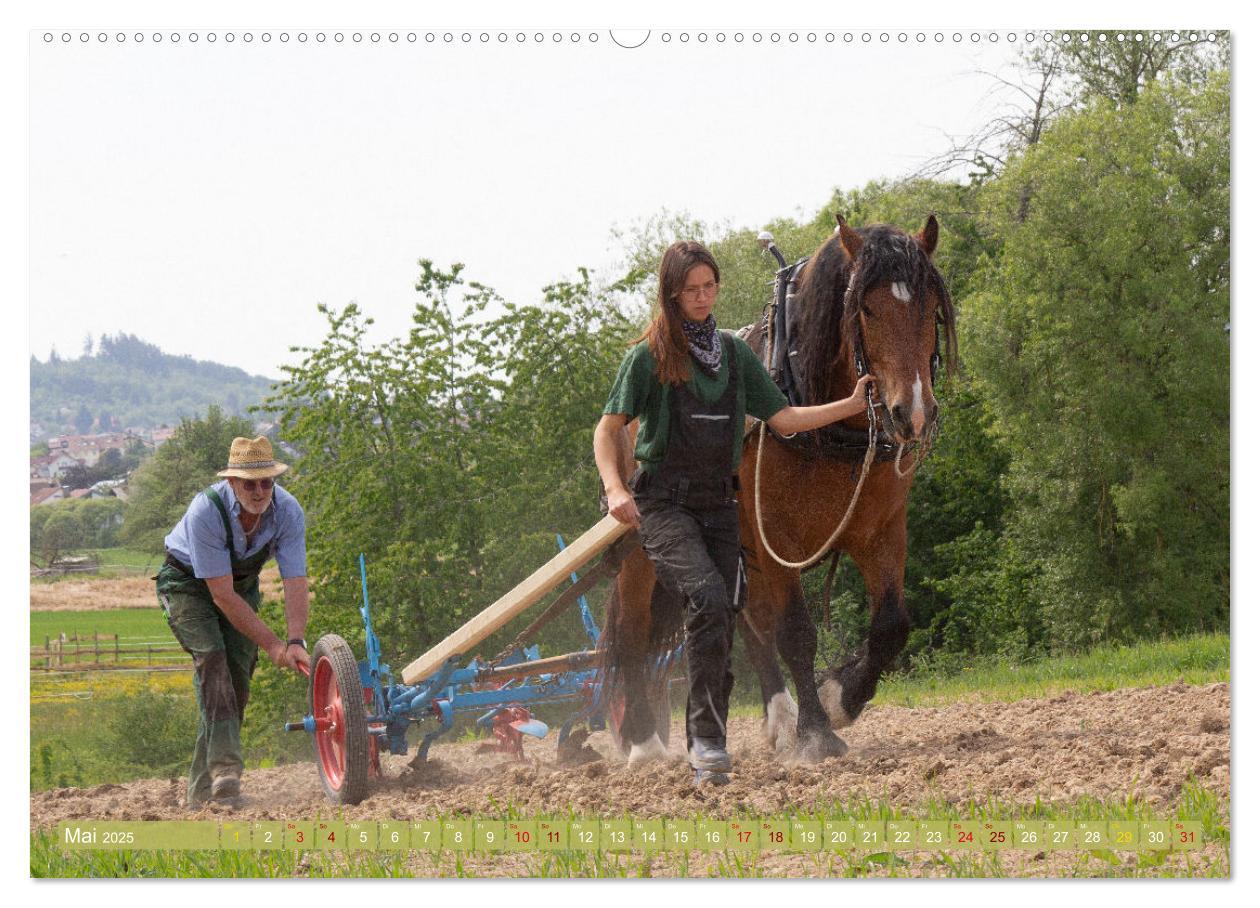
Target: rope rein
921, 453
848, 514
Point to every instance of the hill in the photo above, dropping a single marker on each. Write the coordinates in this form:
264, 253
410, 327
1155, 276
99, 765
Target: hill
127, 382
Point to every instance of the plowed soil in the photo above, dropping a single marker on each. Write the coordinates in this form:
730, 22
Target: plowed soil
1143, 743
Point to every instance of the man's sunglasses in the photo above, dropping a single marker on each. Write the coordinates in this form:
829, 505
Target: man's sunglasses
251, 484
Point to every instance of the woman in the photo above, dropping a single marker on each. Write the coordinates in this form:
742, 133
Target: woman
690, 386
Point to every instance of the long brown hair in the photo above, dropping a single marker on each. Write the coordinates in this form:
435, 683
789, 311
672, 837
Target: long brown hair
664, 333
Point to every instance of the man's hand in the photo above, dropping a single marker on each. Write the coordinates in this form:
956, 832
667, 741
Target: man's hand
621, 505
278, 653
300, 657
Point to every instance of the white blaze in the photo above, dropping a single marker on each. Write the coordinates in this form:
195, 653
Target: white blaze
901, 291
917, 416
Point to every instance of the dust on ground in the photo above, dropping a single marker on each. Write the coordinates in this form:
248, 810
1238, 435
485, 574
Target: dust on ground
1142, 743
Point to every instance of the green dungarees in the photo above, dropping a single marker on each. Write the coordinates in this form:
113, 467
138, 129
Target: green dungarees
223, 657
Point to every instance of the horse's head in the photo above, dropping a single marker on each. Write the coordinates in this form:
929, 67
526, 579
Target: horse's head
893, 303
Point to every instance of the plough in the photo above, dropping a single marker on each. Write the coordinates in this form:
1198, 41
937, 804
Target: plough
358, 710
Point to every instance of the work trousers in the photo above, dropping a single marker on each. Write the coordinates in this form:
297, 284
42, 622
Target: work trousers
696, 553
223, 664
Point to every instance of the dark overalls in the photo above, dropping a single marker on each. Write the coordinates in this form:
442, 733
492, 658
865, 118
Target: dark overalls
689, 524
223, 657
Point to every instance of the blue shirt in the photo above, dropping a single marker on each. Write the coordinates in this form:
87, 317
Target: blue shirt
199, 538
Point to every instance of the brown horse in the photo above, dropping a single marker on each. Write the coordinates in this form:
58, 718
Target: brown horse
867, 300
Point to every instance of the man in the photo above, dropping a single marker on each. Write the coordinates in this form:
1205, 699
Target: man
208, 588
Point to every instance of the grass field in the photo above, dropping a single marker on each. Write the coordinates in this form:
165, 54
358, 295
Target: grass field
1200, 659
1196, 803
125, 622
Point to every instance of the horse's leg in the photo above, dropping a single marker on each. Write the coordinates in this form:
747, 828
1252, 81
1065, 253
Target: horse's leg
798, 644
629, 649
779, 708
845, 691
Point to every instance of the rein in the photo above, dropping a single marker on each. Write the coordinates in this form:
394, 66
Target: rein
848, 514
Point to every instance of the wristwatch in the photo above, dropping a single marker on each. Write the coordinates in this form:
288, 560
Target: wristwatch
296, 641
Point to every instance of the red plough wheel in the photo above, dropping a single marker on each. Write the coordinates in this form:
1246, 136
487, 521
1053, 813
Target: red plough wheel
344, 751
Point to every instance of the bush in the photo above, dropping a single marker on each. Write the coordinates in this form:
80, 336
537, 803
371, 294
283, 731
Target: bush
151, 730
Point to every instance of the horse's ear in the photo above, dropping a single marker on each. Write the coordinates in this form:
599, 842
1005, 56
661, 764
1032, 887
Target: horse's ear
850, 239
928, 235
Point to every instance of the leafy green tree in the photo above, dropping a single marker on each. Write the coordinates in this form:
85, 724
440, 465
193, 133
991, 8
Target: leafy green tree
163, 486
449, 457
78, 523
1098, 336
1120, 70
62, 532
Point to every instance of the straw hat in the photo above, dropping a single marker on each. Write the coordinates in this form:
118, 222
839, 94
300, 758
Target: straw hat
252, 458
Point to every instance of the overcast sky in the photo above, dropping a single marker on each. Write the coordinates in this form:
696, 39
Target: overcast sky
206, 196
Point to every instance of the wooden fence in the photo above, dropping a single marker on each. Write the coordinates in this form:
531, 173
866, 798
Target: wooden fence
108, 652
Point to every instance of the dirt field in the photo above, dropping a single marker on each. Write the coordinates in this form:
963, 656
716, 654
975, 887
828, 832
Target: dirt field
1139, 742
100, 594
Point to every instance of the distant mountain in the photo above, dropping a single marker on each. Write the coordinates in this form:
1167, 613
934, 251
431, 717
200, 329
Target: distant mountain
128, 383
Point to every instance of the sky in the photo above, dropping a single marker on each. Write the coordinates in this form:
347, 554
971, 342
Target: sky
206, 196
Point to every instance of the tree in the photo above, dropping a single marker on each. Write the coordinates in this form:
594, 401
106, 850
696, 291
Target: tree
163, 487
1120, 70
60, 533
452, 456
110, 465
83, 420
1099, 338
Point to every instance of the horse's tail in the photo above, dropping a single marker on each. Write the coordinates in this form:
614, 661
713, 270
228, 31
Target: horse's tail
618, 643
609, 645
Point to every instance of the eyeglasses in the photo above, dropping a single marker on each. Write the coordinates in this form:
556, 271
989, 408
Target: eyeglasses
692, 294
251, 484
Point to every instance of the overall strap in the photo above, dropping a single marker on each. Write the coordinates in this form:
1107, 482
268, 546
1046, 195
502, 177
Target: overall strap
227, 524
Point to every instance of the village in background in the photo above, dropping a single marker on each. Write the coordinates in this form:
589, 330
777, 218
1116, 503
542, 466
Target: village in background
97, 420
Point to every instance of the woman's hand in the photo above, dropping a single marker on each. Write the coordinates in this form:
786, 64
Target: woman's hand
621, 505
857, 399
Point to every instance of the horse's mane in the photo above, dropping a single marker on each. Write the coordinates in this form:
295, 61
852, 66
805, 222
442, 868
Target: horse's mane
829, 296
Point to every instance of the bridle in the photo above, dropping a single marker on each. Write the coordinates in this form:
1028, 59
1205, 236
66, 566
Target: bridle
872, 427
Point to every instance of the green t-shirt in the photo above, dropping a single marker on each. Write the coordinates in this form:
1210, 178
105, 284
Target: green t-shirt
639, 394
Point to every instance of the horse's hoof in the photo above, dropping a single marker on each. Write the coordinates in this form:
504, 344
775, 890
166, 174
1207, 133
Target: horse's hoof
780, 722
819, 746
649, 751
831, 693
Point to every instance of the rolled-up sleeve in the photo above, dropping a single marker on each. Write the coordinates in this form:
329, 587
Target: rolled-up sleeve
291, 539
207, 540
